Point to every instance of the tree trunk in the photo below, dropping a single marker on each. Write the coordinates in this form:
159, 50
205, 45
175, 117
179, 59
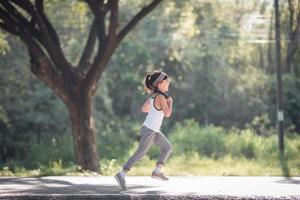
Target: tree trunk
78, 99
280, 112
83, 131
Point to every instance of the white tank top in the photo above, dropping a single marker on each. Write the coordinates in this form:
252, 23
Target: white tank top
154, 118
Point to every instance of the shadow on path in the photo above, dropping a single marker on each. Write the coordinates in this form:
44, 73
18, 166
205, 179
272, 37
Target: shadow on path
47, 186
289, 181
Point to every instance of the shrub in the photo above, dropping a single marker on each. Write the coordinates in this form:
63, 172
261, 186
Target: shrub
188, 137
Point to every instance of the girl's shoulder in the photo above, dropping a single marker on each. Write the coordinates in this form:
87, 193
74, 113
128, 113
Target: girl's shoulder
159, 97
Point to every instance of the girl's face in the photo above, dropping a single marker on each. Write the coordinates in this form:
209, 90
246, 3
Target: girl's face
164, 85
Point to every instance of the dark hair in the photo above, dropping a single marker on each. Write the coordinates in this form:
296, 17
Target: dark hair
150, 80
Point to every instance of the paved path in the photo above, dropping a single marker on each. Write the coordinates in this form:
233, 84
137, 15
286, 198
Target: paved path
178, 187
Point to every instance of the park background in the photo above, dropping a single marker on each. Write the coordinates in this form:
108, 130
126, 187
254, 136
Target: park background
221, 58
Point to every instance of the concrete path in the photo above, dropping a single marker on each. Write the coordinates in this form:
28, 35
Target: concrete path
105, 187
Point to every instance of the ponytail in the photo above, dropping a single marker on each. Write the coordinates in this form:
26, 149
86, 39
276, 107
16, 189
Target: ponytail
148, 84
151, 81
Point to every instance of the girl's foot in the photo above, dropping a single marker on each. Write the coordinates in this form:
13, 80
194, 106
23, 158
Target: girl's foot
159, 175
121, 181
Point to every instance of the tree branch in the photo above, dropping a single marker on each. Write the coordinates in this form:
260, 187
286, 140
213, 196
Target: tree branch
50, 29
101, 60
46, 34
113, 24
137, 18
20, 20
8, 21
43, 68
101, 34
95, 5
12, 24
99, 10
25, 5
9, 29
89, 47
52, 46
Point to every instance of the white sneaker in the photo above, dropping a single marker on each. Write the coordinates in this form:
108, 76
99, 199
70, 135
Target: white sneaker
159, 175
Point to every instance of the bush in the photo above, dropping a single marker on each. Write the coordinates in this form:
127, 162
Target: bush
44, 151
188, 137
214, 142
241, 144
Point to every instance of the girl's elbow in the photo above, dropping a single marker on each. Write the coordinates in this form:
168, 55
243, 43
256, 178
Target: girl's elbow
167, 115
144, 110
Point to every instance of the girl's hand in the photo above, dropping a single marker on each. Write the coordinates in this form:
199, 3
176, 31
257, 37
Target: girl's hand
170, 100
165, 104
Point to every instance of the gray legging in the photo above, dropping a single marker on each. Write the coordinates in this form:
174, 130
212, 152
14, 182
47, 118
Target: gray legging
148, 136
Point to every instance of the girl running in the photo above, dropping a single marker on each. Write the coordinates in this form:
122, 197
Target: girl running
158, 106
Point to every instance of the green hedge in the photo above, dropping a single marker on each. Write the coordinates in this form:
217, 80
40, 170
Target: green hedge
215, 142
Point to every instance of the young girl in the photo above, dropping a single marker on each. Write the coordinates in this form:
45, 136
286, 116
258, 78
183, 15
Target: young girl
157, 107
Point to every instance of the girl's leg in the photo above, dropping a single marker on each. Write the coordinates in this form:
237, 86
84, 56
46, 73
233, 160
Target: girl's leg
165, 148
147, 138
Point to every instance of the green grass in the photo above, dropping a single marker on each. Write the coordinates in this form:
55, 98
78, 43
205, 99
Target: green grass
194, 165
186, 165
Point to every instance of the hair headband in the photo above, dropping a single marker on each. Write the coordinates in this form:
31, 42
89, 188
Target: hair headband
160, 78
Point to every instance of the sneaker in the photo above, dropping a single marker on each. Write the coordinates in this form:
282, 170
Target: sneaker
159, 176
121, 181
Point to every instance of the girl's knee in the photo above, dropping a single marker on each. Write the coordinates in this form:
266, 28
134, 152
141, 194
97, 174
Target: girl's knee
168, 148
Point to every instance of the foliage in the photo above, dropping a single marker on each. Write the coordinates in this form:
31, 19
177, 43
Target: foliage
214, 142
4, 47
218, 79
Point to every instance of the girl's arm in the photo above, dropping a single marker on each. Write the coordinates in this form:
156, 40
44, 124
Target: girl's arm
146, 106
166, 105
